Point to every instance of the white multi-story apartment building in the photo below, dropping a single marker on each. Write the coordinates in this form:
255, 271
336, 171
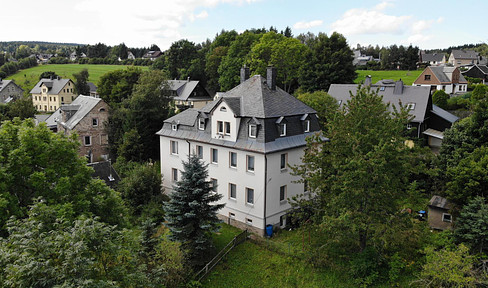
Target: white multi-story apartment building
249, 137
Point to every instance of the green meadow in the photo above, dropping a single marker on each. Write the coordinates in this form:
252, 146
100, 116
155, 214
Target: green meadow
408, 77
27, 78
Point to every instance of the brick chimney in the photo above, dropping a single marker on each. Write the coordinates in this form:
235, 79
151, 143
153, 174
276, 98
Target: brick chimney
244, 73
271, 77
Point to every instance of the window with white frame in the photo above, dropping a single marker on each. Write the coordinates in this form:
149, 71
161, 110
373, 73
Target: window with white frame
248, 221
253, 130
174, 147
220, 127
446, 217
232, 191
249, 196
411, 106
233, 159
214, 184
409, 126
94, 122
200, 152
250, 163
282, 129
174, 127
283, 193
227, 128
232, 215
283, 161
307, 126
215, 155
87, 140
174, 174
201, 124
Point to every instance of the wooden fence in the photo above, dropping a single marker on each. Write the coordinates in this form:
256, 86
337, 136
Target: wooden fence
210, 265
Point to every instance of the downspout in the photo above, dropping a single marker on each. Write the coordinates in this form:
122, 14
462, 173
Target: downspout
265, 187
188, 148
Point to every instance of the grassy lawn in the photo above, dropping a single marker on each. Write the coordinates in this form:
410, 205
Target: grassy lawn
29, 77
254, 265
407, 76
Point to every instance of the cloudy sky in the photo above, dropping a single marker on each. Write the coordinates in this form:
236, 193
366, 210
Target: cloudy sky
427, 24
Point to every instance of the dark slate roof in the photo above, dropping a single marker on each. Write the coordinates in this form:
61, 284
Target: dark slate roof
83, 105
93, 87
258, 100
241, 144
105, 171
410, 94
439, 202
439, 73
435, 57
186, 118
465, 54
184, 89
444, 114
482, 68
54, 85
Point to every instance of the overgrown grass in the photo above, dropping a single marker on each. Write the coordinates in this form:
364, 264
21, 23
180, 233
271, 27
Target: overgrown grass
27, 78
267, 263
407, 76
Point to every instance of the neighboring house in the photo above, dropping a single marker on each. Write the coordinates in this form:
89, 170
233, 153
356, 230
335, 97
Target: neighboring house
152, 55
463, 58
444, 78
130, 56
9, 91
427, 118
52, 120
477, 71
50, 93
87, 117
73, 56
105, 171
434, 59
188, 94
93, 89
249, 137
362, 60
438, 214
43, 58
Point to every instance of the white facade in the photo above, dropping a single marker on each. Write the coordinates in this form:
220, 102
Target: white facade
267, 181
450, 88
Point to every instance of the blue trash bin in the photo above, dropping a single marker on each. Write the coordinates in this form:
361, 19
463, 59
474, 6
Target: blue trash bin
269, 230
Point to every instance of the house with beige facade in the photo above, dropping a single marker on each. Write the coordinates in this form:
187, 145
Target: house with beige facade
85, 116
249, 137
50, 93
188, 94
444, 78
460, 58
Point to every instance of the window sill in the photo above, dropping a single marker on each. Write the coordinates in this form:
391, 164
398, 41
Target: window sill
250, 172
250, 204
283, 202
233, 199
283, 170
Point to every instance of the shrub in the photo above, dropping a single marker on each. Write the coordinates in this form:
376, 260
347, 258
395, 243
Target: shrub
440, 98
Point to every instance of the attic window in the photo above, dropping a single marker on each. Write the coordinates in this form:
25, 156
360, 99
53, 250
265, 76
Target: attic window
282, 129
253, 130
307, 126
102, 110
411, 106
223, 109
382, 88
426, 77
174, 127
201, 124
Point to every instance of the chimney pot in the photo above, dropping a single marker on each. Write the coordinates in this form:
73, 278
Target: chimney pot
271, 78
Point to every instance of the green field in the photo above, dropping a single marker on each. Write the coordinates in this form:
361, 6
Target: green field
29, 77
407, 76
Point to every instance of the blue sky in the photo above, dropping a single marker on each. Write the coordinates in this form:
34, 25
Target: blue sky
427, 24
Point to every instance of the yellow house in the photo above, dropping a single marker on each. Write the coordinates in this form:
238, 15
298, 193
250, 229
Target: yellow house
50, 93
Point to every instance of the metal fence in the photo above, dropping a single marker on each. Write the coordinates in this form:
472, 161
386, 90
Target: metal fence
210, 265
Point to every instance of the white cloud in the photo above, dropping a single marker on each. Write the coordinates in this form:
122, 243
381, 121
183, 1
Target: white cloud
370, 21
440, 19
421, 25
307, 25
416, 39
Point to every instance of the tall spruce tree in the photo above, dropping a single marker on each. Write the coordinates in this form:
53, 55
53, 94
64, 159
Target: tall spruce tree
191, 216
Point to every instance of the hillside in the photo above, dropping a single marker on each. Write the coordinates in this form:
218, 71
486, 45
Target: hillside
29, 77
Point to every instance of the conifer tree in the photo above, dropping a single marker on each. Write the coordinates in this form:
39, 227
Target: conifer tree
190, 214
